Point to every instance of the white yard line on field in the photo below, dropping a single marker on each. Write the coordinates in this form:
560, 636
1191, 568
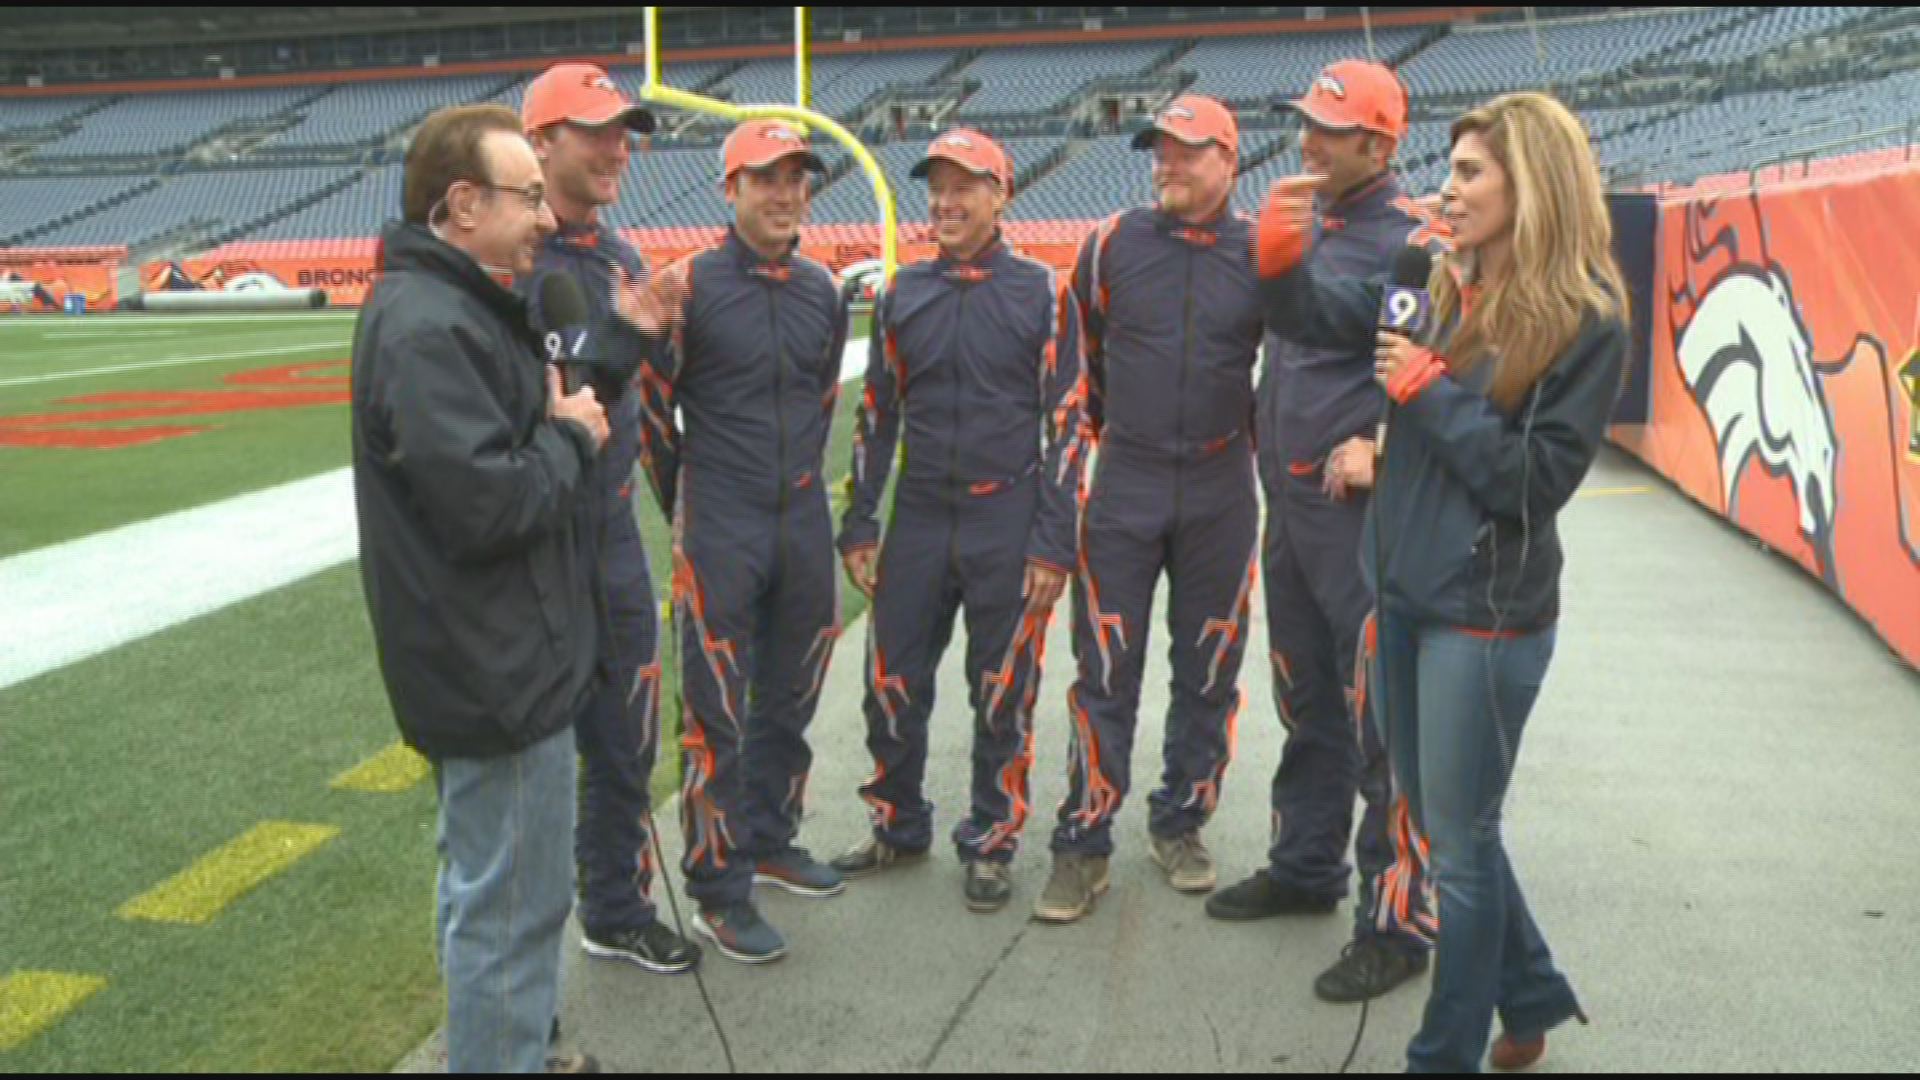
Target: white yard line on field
117, 369
70, 601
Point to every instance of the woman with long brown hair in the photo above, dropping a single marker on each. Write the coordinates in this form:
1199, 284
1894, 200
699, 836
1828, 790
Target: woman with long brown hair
1494, 425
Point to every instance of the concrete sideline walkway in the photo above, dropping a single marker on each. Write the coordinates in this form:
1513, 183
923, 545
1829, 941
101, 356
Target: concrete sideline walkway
1709, 816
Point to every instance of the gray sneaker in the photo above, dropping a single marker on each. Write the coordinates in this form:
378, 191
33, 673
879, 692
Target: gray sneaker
1077, 881
989, 885
872, 855
1185, 859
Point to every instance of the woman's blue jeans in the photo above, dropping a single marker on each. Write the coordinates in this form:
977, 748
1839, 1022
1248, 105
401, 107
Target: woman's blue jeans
1454, 704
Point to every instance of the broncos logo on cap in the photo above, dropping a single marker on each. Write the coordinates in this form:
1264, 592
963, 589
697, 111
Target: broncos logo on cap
602, 82
1332, 86
958, 140
781, 134
1177, 112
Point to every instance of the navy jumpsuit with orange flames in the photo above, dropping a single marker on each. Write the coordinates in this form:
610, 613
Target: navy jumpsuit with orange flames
982, 358
1173, 328
754, 370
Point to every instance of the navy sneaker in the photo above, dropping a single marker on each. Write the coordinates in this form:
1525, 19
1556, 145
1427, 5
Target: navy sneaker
739, 932
799, 873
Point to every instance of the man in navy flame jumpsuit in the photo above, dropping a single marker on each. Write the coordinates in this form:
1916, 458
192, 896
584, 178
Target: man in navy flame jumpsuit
758, 336
979, 349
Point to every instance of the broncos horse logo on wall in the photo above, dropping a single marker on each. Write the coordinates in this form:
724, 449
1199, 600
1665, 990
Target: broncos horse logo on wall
1747, 357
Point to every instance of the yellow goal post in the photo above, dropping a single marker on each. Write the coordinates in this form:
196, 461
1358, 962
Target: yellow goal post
799, 113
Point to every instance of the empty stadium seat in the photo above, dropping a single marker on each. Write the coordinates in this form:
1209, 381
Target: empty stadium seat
675, 186
1478, 61
161, 123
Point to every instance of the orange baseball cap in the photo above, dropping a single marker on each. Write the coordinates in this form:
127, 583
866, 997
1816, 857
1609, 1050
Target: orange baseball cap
1196, 120
757, 144
972, 151
1350, 94
579, 94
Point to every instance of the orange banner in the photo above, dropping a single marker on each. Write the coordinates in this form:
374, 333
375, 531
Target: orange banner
44, 278
345, 277
1786, 379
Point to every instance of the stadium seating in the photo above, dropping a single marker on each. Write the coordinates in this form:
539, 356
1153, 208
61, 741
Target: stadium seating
1037, 79
840, 83
223, 200
1478, 61
127, 150
1770, 29
358, 113
27, 203
1249, 72
149, 124
17, 114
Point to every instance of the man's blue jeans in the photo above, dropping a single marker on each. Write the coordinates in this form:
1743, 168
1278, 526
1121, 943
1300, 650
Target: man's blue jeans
1455, 704
506, 886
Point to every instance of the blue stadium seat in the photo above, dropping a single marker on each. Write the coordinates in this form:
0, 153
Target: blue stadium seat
1479, 61
226, 199
143, 124
1248, 72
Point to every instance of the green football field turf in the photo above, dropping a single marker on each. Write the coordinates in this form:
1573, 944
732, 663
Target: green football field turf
120, 771
53, 366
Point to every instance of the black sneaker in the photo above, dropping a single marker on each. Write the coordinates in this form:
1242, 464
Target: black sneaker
1261, 897
653, 946
1367, 968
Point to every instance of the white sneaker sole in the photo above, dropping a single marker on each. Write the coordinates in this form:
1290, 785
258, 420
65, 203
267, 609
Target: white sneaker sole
700, 927
799, 890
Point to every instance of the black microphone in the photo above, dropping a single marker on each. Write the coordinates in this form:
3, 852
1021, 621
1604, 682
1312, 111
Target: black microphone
563, 308
1407, 310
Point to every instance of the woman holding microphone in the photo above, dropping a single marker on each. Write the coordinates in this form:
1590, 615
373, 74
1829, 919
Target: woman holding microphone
1494, 424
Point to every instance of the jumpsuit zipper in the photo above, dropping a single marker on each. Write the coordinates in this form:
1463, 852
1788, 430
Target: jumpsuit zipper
1180, 400
953, 443
780, 427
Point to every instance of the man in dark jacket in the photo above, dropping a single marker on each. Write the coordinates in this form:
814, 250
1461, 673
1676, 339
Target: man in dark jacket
979, 348
579, 124
468, 463
1319, 409
754, 371
1173, 327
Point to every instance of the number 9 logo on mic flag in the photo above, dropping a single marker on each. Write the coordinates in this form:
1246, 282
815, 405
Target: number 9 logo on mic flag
1406, 311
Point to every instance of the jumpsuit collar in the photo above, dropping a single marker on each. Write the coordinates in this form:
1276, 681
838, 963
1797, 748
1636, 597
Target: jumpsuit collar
1202, 235
978, 268
751, 261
